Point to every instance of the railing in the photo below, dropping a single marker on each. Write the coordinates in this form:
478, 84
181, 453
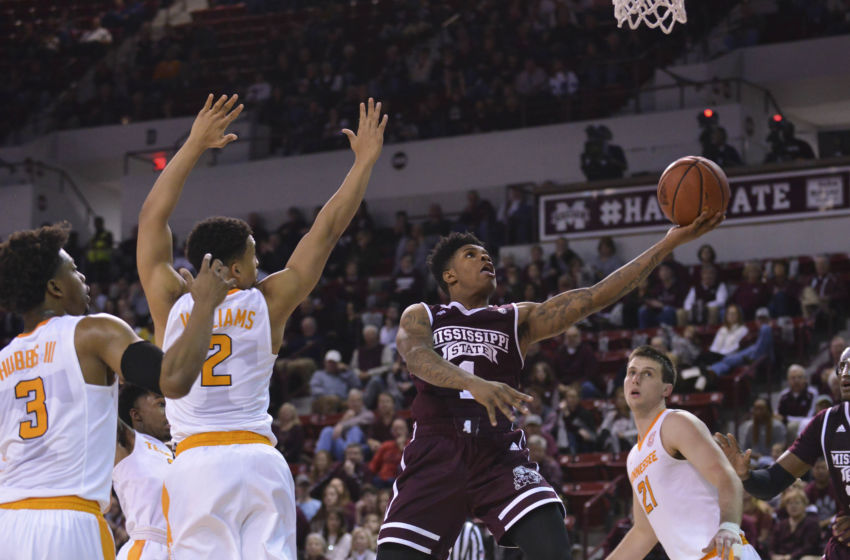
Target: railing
608, 490
32, 169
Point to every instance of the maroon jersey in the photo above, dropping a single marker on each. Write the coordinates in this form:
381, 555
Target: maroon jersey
828, 435
481, 341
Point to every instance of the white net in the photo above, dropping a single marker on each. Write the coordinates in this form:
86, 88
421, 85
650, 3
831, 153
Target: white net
653, 13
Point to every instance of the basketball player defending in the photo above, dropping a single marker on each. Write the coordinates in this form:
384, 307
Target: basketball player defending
58, 412
140, 462
229, 492
467, 358
827, 436
686, 495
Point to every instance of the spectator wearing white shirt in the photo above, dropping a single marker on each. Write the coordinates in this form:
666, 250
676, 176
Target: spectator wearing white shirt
728, 337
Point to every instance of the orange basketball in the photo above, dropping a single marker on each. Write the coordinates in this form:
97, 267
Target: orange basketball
690, 185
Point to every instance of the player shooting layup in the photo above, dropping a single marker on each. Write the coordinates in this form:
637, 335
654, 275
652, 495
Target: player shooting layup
686, 494
229, 492
468, 354
58, 387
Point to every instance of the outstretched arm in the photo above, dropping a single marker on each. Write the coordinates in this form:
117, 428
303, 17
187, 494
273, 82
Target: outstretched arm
539, 321
284, 290
161, 283
415, 343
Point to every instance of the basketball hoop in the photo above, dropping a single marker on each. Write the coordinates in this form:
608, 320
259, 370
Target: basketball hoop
654, 13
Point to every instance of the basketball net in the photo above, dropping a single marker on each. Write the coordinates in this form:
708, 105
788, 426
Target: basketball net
653, 13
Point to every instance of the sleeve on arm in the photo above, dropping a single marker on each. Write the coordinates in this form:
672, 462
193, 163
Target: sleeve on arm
807, 447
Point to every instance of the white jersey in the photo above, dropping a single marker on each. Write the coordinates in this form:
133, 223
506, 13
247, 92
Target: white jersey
57, 432
232, 391
679, 503
137, 480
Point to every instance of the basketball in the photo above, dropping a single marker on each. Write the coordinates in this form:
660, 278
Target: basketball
690, 185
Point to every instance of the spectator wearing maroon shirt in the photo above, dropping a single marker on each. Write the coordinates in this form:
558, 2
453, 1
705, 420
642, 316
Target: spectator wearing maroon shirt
797, 401
387, 458
830, 291
784, 292
665, 297
576, 363
798, 535
385, 415
821, 494
751, 293
289, 432
371, 361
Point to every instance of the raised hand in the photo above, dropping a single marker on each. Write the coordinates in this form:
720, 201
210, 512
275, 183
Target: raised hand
369, 140
704, 223
841, 528
211, 284
740, 460
493, 395
211, 122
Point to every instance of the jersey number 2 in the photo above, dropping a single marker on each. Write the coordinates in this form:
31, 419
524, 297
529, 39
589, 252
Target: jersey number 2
223, 346
32, 389
646, 492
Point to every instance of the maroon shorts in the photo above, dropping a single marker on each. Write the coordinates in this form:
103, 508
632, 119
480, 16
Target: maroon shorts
451, 473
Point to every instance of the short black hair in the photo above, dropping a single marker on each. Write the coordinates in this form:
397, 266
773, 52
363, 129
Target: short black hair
127, 398
224, 238
668, 370
28, 260
444, 250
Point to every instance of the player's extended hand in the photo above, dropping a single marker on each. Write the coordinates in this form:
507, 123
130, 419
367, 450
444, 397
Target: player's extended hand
493, 395
212, 283
841, 528
740, 460
725, 544
704, 223
369, 140
211, 122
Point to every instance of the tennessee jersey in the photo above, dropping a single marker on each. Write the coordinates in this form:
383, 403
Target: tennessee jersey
679, 503
57, 432
232, 391
137, 480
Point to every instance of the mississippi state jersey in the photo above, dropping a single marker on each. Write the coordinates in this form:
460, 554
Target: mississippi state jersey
57, 432
828, 436
679, 503
138, 480
481, 341
232, 391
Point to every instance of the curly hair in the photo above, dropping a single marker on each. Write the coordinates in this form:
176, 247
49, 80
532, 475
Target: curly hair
668, 370
127, 398
444, 250
28, 260
224, 238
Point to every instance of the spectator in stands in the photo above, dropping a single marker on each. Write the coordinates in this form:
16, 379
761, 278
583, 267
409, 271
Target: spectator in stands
575, 427
757, 515
762, 431
321, 466
784, 292
532, 425
541, 377
665, 297
821, 494
827, 358
576, 363
797, 400
306, 503
728, 337
385, 463
289, 432
606, 260
260, 90
365, 252
309, 343
371, 361
99, 253
706, 298
400, 384
618, 430
706, 255
372, 524
407, 285
362, 545
351, 428
784, 145
315, 547
547, 466
368, 503
559, 261
797, 537
601, 159
335, 531
830, 291
517, 217
335, 381
385, 415
752, 293
435, 225
761, 348
478, 217
719, 151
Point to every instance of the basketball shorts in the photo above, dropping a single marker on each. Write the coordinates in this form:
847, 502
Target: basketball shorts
143, 550
229, 500
57, 534
452, 472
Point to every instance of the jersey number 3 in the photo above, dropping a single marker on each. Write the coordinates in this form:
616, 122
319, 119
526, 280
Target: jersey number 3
33, 390
223, 346
645, 490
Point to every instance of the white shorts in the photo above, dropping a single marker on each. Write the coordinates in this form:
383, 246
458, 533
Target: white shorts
57, 534
143, 550
230, 501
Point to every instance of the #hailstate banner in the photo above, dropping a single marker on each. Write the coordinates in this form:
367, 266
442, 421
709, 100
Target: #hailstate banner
813, 193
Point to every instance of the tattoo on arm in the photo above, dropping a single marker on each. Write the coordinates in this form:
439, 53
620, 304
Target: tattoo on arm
415, 344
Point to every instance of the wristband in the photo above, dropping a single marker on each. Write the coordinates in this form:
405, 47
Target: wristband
731, 527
